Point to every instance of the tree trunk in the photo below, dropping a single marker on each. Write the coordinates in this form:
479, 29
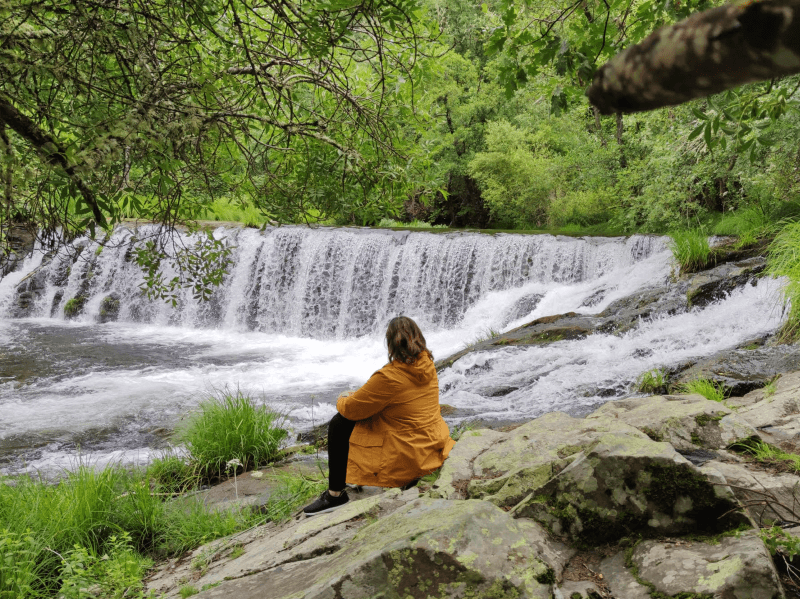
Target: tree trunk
50, 150
707, 53
7, 173
622, 161
599, 126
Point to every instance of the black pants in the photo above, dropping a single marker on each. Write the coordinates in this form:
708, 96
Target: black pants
339, 431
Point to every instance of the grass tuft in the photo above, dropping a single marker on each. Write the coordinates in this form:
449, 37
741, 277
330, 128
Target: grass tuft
707, 388
767, 454
690, 249
227, 426
652, 382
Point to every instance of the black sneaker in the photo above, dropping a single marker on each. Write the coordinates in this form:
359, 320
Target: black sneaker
326, 503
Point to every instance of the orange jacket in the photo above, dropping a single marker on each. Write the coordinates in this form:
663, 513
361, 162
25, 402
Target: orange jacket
400, 434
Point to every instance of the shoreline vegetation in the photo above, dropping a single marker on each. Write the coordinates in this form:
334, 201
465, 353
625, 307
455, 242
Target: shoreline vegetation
96, 532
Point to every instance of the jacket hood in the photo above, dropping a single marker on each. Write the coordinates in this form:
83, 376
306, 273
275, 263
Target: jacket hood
422, 371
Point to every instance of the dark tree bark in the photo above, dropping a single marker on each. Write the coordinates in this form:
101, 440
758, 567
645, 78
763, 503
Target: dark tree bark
50, 149
7, 175
707, 53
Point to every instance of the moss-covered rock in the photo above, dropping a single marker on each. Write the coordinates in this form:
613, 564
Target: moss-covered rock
109, 308
74, 306
735, 567
421, 549
685, 421
628, 485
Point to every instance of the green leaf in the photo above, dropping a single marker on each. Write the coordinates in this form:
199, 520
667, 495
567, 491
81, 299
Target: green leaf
697, 131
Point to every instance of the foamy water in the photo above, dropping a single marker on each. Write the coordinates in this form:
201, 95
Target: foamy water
300, 319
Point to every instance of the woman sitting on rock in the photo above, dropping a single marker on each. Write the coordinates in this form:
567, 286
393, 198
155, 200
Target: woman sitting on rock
390, 432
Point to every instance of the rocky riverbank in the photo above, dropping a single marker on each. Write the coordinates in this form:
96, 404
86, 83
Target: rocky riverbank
645, 497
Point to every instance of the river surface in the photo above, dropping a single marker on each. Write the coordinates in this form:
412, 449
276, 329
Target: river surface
300, 318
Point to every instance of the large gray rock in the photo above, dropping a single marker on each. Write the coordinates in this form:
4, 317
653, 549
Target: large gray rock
529, 456
457, 469
736, 567
625, 485
620, 579
777, 413
768, 497
685, 421
429, 547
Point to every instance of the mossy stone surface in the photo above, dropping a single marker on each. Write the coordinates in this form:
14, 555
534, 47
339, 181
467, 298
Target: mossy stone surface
685, 421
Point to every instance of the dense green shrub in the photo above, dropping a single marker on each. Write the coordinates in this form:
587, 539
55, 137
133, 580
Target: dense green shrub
228, 426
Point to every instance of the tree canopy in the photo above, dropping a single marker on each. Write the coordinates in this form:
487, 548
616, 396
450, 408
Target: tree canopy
148, 107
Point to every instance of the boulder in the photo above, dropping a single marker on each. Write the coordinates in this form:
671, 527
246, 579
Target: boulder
742, 370
778, 412
620, 579
457, 469
735, 567
685, 421
625, 484
428, 547
715, 284
769, 498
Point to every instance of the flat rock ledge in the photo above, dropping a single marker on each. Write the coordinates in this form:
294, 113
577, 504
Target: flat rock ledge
640, 499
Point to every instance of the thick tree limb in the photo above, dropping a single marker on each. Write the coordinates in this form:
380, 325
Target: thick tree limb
49, 149
707, 53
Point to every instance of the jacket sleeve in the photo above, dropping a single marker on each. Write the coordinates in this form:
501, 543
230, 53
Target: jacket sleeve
369, 400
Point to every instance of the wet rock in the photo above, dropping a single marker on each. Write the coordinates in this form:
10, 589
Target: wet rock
74, 306
737, 567
523, 306
19, 241
109, 308
685, 421
715, 284
742, 371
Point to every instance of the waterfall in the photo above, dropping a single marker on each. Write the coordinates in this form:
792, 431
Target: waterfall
328, 283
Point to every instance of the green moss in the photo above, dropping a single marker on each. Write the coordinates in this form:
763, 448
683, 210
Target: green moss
696, 439
547, 578
704, 419
670, 483
652, 434
74, 306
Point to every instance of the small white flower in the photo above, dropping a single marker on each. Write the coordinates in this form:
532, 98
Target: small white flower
234, 462
257, 474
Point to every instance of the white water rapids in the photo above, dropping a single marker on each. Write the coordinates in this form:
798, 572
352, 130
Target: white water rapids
300, 317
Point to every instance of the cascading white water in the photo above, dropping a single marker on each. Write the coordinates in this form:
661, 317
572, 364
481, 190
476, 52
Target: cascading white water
338, 283
300, 317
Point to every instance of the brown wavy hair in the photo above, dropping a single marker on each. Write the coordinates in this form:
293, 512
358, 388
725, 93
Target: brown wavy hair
405, 340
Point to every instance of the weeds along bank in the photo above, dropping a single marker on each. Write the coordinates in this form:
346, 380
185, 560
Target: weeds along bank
97, 531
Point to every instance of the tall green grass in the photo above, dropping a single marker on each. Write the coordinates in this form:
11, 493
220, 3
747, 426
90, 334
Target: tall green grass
690, 249
95, 532
230, 425
707, 388
224, 209
783, 260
